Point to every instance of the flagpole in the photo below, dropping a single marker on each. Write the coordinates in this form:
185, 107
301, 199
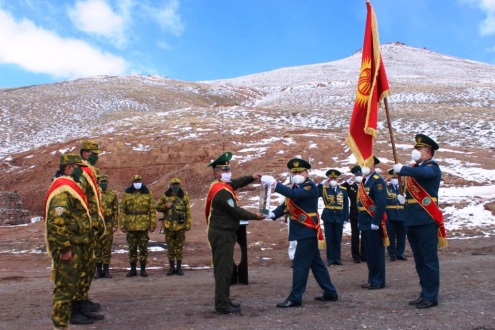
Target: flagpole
394, 150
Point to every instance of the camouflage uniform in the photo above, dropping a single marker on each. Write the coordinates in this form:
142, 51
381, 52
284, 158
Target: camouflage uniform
68, 225
103, 250
176, 221
137, 217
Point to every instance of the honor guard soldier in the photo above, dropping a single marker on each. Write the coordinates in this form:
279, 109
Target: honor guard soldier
223, 216
335, 213
372, 201
395, 220
424, 219
301, 203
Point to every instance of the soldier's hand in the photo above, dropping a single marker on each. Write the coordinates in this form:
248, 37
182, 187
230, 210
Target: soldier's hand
152, 230
260, 216
67, 256
114, 229
257, 176
169, 205
124, 230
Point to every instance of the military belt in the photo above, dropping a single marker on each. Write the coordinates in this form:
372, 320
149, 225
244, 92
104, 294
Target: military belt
137, 213
334, 207
312, 214
412, 200
361, 208
395, 206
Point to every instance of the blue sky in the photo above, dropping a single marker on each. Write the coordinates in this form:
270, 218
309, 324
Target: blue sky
56, 40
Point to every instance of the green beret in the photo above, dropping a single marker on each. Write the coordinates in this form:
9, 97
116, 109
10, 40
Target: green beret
71, 159
332, 173
90, 145
424, 141
222, 162
356, 170
298, 164
175, 181
136, 177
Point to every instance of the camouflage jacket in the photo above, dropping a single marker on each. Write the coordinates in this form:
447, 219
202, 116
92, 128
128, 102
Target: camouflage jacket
178, 217
92, 190
137, 209
67, 223
110, 205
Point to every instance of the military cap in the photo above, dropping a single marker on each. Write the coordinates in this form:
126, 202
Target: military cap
376, 160
222, 162
102, 178
356, 170
71, 159
425, 141
332, 173
392, 173
175, 181
136, 177
90, 145
298, 164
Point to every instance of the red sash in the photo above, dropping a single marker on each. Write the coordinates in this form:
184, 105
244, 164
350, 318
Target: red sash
424, 199
96, 189
369, 205
65, 184
301, 216
215, 187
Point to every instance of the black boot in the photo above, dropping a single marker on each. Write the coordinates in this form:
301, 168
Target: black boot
179, 271
99, 272
75, 316
86, 311
132, 272
171, 270
143, 270
106, 274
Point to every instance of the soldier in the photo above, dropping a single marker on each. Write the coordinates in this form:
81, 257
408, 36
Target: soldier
371, 217
424, 220
395, 220
174, 204
357, 249
335, 213
138, 217
301, 203
68, 225
110, 205
89, 153
223, 215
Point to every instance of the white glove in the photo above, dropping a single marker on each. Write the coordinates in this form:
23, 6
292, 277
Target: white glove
268, 180
374, 227
325, 182
401, 199
397, 168
270, 216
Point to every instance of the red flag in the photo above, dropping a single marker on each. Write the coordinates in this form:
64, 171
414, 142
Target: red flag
372, 89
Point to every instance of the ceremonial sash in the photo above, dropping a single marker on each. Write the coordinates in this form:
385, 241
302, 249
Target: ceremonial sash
91, 178
301, 216
427, 202
369, 206
214, 188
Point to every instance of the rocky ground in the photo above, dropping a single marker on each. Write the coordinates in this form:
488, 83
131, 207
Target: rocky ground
467, 294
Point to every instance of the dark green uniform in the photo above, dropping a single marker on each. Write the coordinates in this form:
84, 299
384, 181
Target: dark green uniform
225, 215
67, 229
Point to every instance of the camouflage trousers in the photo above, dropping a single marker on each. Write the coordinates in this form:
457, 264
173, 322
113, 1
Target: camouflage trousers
88, 268
135, 239
103, 249
66, 282
175, 244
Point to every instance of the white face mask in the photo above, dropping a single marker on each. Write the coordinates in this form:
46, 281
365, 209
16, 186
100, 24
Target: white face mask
358, 179
226, 177
394, 181
415, 155
137, 185
297, 179
333, 183
365, 170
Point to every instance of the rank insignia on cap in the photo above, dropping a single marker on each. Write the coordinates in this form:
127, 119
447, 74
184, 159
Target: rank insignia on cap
59, 210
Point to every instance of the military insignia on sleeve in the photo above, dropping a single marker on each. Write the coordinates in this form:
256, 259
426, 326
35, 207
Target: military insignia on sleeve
307, 187
231, 202
379, 186
376, 176
59, 210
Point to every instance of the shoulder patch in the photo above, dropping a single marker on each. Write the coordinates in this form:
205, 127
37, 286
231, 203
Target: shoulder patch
231, 202
430, 164
343, 188
59, 210
379, 186
376, 176
308, 187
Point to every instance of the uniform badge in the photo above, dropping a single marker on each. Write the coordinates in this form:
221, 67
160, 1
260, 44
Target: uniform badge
59, 210
307, 187
302, 218
372, 208
379, 186
231, 202
426, 201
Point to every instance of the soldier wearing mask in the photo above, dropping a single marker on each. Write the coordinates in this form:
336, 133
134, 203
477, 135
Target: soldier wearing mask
137, 218
174, 204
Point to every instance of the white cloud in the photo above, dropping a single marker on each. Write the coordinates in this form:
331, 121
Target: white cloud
38, 50
97, 17
487, 27
167, 17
